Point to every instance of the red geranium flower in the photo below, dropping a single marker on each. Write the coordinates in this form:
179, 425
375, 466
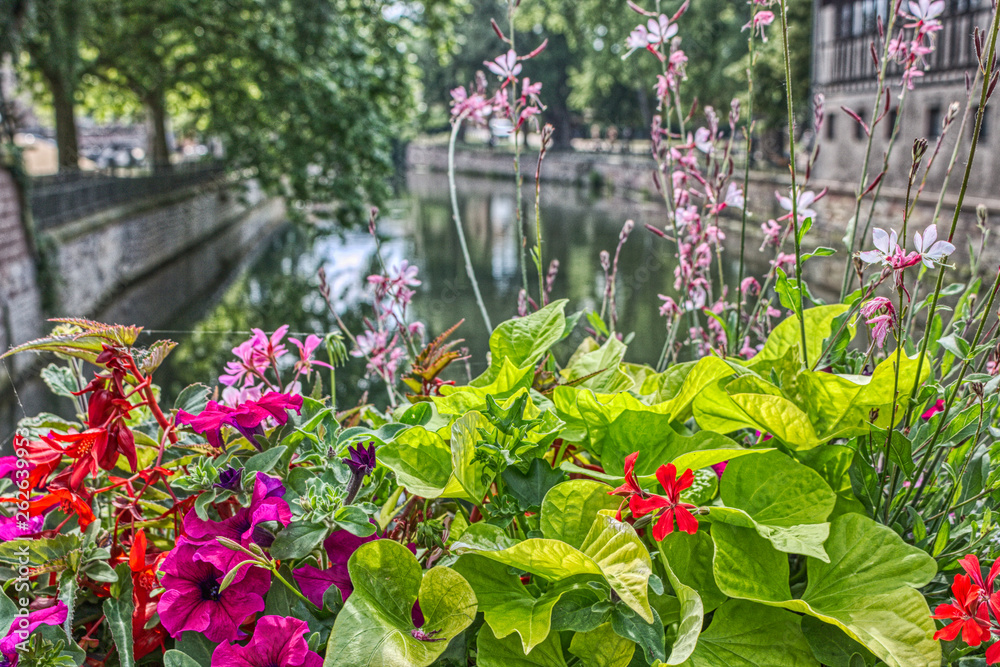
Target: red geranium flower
667, 476
972, 567
631, 485
968, 616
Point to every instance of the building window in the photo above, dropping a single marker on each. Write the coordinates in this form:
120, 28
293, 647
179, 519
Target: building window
890, 124
934, 122
831, 132
846, 25
868, 15
859, 129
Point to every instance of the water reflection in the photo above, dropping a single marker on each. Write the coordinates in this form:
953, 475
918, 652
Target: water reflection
280, 287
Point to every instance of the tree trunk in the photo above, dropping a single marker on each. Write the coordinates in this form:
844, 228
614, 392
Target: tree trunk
66, 138
159, 150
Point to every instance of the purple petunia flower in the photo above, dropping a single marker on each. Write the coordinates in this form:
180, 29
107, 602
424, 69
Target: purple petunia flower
247, 418
12, 528
23, 626
277, 641
230, 478
362, 459
266, 504
192, 600
361, 462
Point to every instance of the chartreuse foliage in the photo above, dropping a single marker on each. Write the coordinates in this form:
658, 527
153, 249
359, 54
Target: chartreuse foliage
375, 626
556, 570
499, 524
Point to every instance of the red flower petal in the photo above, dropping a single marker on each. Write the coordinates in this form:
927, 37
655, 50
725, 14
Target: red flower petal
642, 506
686, 521
664, 526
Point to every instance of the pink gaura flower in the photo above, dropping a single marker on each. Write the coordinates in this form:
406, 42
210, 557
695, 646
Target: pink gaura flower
703, 140
760, 20
475, 107
784, 261
505, 66
772, 233
669, 307
660, 30
277, 641
881, 317
885, 244
530, 91
750, 287
924, 14
909, 75
804, 199
193, 602
657, 31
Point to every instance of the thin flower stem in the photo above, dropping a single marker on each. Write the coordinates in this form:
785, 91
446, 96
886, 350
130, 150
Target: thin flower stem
453, 189
295, 591
746, 175
878, 188
794, 189
984, 95
511, 9
957, 388
863, 182
899, 361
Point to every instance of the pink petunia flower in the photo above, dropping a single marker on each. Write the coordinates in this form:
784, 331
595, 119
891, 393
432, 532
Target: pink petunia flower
243, 527
277, 641
193, 602
22, 627
246, 418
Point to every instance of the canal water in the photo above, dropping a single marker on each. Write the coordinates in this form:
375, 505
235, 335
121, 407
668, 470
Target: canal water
280, 284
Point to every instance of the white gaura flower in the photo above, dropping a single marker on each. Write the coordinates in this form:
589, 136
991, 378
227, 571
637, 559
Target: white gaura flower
885, 245
931, 250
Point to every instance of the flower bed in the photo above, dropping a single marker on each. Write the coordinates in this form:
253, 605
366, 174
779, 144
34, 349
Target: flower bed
803, 490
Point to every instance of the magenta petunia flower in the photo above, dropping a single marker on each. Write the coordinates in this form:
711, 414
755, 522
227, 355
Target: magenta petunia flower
277, 642
23, 626
247, 418
192, 600
340, 546
266, 504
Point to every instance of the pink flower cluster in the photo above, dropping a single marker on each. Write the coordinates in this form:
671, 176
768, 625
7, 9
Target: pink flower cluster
383, 343
911, 49
477, 106
257, 368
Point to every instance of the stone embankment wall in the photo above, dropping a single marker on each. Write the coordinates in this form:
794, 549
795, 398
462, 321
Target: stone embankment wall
630, 175
20, 298
111, 265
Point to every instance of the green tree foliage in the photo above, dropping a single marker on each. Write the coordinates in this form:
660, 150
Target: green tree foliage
586, 79
307, 96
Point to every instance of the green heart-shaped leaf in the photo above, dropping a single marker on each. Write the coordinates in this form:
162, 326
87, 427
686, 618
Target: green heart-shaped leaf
375, 627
